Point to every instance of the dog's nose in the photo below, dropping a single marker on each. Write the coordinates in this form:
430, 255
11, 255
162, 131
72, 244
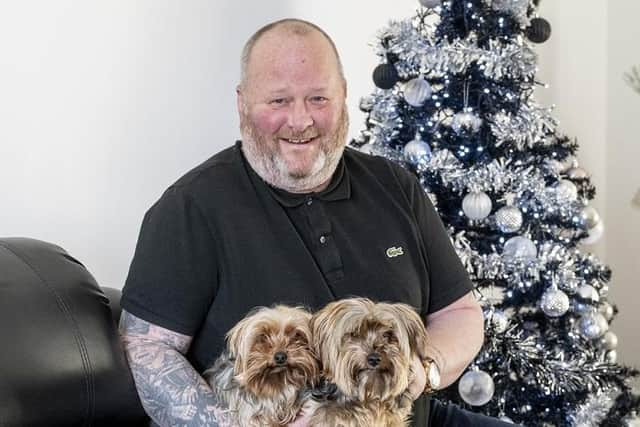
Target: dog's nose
280, 358
373, 359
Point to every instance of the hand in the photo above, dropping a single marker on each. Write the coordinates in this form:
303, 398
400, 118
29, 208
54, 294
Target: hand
418, 378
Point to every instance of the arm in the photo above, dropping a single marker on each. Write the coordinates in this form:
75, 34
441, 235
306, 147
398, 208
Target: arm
171, 391
456, 334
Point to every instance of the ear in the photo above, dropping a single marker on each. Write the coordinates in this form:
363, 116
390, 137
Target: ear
415, 329
235, 339
239, 99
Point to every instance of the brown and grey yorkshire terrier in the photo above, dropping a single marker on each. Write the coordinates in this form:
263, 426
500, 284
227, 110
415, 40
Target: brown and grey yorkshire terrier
268, 368
366, 349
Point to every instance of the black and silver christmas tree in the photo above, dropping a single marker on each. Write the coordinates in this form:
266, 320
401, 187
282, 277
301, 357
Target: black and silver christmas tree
455, 105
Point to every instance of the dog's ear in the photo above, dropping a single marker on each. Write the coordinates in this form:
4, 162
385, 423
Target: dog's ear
236, 341
413, 324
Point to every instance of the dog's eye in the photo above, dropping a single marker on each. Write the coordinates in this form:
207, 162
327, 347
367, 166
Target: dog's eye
388, 335
261, 339
299, 337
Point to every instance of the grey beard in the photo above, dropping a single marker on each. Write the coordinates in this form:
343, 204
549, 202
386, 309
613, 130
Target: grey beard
273, 169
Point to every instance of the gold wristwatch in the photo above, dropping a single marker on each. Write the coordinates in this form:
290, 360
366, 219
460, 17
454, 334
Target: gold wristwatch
433, 376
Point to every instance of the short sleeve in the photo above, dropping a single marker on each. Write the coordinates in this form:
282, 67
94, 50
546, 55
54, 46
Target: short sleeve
448, 278
172, 279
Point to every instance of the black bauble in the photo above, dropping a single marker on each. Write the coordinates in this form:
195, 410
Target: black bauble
385, 76
539, 30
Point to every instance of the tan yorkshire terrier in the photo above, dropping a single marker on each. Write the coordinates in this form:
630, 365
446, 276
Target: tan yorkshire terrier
265, 374
366, 350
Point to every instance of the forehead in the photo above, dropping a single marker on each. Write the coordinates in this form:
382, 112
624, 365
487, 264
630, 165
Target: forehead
283, 58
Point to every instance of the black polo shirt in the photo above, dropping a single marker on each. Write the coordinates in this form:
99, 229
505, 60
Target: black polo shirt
220, 241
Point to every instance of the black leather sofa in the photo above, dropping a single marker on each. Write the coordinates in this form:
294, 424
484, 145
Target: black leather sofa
61, 361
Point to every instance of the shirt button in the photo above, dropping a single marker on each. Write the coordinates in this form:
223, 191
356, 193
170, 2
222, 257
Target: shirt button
323, 239
309, 201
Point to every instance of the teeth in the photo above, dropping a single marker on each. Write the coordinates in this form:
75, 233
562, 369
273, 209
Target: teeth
299, 141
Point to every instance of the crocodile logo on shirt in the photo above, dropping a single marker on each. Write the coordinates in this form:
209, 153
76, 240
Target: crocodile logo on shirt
393, 252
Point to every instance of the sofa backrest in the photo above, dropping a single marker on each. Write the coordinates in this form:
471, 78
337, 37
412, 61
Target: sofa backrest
61, 360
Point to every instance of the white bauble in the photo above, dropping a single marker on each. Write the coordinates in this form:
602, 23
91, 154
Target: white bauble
508, 219
417, 151
476, 388
595, 234
590, 217
417, 91
566, 189
520, 248
592, 325
477, 205
554, 302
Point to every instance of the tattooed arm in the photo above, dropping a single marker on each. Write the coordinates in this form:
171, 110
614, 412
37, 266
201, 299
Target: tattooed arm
171, 391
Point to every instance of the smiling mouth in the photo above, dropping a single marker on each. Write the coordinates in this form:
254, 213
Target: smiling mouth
300, 141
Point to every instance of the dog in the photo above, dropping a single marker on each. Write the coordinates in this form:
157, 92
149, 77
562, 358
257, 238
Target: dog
268, 367
365, 351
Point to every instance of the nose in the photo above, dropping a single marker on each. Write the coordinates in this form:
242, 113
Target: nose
280, 358
373, 359
299, 117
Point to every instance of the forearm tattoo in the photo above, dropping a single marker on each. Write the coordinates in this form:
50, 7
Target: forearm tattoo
171, 391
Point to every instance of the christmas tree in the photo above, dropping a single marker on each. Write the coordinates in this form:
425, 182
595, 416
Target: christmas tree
454, 104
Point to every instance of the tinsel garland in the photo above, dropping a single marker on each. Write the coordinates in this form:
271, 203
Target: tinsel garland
416, 50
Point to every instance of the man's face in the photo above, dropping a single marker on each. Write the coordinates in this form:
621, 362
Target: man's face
293, 117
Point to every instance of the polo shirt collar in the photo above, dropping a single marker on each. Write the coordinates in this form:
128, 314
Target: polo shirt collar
338, 189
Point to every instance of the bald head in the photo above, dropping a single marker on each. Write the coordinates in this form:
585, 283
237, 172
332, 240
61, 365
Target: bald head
284, 27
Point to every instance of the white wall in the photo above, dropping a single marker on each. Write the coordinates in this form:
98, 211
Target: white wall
623, 174
105, 103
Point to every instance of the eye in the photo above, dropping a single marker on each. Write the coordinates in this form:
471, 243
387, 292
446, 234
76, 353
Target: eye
319, 99
262, 339
389, 336
299, 337
278, 102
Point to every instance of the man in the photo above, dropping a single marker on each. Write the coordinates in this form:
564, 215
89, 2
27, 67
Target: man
287, 216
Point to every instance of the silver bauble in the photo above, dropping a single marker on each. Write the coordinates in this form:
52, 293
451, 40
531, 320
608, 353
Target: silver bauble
520, 248
477, 205
567, 190
554, 302
595, 234
466, 121
590, 217
592, 325
609, 340
606, 310
417, 91
498, 319
476, 388
430, 3
517, 7
509, 219
611, 356
589, 293
577, 173
417, 151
